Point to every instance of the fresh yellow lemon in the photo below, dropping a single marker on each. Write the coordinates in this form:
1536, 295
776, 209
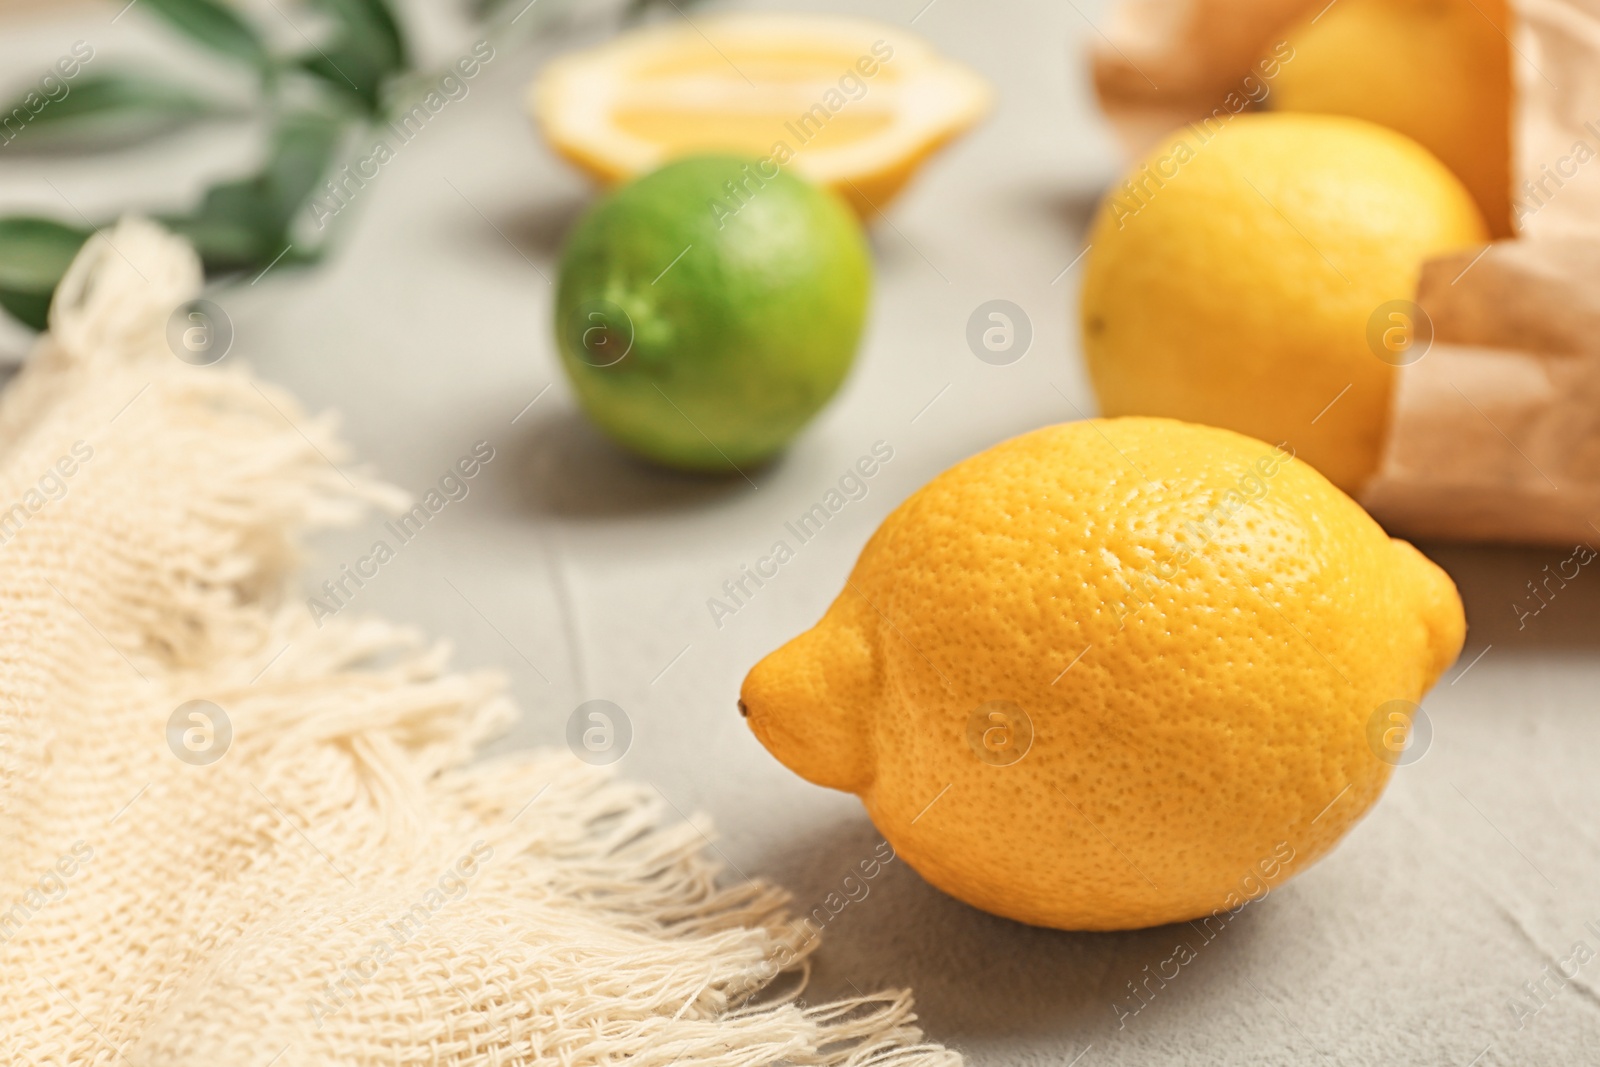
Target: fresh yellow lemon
1114, 673
853, 105
1233, 280
1439, 71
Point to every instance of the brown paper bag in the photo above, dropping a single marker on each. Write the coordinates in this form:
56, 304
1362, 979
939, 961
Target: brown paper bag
1495, 431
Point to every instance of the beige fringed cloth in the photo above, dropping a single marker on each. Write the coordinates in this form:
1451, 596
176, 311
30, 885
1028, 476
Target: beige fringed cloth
341, 886
1495, 432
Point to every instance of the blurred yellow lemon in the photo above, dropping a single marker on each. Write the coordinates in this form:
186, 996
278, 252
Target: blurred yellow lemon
1234, 279
1114, 673
849, 104
1439, 71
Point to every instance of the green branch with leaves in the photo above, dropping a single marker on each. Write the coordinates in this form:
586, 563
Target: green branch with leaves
316, 101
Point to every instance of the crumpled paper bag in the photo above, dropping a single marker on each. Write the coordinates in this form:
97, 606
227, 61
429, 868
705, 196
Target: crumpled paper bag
1495, 430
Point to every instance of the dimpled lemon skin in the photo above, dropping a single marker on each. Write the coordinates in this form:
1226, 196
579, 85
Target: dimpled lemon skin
1436, 70
1216, 722
1238, 293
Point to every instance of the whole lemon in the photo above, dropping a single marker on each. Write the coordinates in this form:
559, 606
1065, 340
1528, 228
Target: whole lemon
1114, 673
1438, 71
707, 310
1233, 280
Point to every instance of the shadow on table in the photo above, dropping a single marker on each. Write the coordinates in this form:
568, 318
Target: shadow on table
1517, 598
1070, 209
540, 229
560, 464
899, 247
976, 977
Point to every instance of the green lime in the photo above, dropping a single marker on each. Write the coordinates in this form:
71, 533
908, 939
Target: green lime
707, 311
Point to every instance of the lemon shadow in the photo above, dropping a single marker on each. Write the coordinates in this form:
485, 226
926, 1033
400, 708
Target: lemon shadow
542, 228
558, 464
978, 978
1522, 599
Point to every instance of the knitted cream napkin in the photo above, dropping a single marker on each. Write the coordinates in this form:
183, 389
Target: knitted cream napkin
334, 883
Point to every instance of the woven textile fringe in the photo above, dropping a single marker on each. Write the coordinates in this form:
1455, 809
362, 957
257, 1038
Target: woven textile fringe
342, 886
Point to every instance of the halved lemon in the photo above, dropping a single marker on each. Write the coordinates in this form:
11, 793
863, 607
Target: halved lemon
850, 104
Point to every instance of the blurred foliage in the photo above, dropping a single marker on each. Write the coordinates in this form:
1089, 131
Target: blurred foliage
634, 10
34, 254
315, 101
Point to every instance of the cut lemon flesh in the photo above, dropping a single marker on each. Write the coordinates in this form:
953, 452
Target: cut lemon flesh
850, 104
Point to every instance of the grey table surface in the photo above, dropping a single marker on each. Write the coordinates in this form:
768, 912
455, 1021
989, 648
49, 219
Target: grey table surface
584, 575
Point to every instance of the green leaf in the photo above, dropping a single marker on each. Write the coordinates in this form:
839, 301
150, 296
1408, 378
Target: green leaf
34, 254
374, 22
110, 109
246, 223
366, 49
235, 226
30, 310
214, 25
303, 147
